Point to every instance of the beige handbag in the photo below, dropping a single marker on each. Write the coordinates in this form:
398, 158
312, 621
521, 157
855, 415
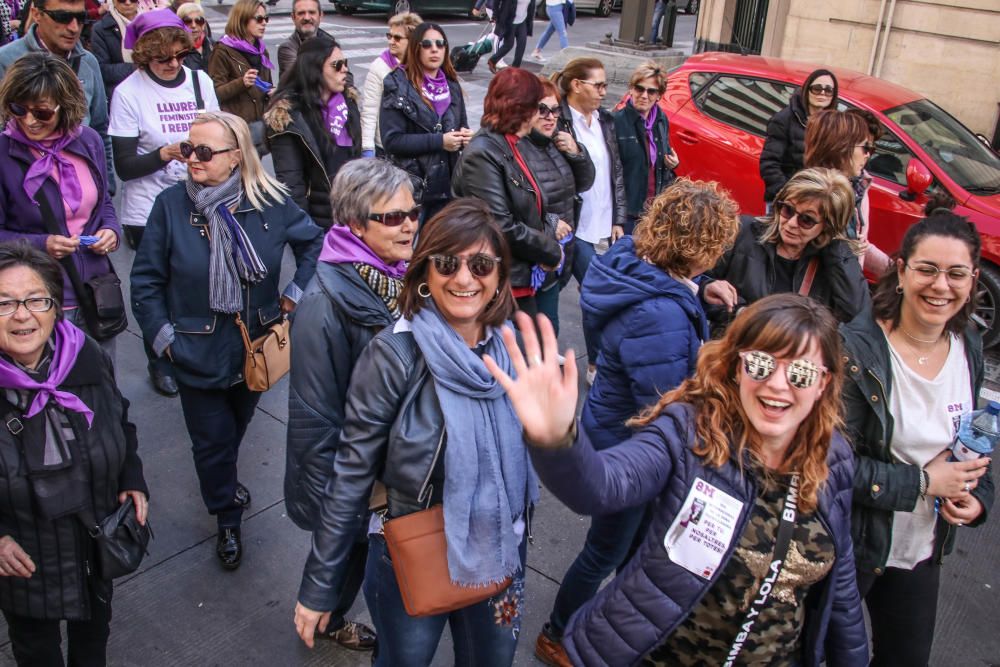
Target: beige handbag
269, 357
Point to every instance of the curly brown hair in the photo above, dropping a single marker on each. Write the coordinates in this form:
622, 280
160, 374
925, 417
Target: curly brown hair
781, 324
160, 43
688, 226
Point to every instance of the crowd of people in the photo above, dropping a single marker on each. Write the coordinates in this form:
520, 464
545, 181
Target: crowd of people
764, 439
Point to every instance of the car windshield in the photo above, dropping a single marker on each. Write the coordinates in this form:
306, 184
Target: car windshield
956, 150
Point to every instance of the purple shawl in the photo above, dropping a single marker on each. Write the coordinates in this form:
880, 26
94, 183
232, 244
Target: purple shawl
51, 150
650, 137
389, 59
436, 90
67, 341
341, 246
335, 118
247, 47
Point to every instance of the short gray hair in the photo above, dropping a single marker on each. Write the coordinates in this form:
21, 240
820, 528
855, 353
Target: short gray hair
360, 184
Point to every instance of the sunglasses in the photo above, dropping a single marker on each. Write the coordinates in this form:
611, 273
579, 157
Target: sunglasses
800, 373
194, 20
651, 92
867, 148
202, 152
64, 17
179, 57
339, 65
787, 211
127, 2
396, 218
480, 265
599, 85
820, 89
545, 111
20, 111
428, 43
263, 18
394, 38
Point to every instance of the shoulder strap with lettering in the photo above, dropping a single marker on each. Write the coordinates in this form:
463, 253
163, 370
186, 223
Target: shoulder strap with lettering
807, 281
782, 540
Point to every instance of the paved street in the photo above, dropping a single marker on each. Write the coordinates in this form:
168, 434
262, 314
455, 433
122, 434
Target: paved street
182, 609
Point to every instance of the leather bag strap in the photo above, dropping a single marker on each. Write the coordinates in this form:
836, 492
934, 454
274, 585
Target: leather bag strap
807, 281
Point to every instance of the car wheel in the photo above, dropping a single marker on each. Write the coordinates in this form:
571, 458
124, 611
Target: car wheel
988, 298
346, 10
401, 7
603, 8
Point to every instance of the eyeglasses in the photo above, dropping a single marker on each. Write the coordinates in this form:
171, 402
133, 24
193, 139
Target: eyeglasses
39, 304
20, 111
867, 148
956, 276
202, 152
428, 43
194, 20
545, 111
599, 85
480, 265
396, 218
179, 57
127, 2
651, 92
787, 211
64, 17
820, 89
395, 38
800, 373
339, 65
262, 18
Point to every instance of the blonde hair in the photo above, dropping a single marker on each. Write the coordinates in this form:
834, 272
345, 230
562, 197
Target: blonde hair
690, 224
649, 70
258, 185
242, 13
407, 20
833, 195
189, 8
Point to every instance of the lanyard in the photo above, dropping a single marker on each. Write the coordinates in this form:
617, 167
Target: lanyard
784, 537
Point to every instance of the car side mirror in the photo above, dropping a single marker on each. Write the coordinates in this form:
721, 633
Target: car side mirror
918, 179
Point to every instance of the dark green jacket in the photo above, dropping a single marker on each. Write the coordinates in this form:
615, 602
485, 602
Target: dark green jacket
883, 484
633, 147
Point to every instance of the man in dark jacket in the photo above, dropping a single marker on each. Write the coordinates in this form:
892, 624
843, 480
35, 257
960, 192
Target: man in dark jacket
306, 15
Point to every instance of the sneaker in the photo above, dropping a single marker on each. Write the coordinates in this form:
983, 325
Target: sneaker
538, 57
591, 375
501, 64
550, 650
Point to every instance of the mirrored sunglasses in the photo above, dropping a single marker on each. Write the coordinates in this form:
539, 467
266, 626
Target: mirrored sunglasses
800, 373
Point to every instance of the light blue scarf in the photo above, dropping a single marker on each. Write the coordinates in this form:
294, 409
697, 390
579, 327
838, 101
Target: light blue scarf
488, 476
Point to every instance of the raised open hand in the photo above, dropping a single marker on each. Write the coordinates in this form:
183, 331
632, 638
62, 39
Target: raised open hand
544, 393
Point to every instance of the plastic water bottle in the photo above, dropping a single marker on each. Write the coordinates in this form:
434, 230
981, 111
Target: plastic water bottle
978, 433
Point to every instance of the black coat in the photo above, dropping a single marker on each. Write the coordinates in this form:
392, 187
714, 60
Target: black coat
305, 163
61, 549
607, 121
503, 17
412, 135
106, 45
785, 147
561, 176
633, 149
199, 60
488, 171
749, 266
336, 318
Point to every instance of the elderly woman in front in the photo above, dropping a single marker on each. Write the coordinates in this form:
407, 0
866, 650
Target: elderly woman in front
211, 254
425, 418
353, 295
76, 452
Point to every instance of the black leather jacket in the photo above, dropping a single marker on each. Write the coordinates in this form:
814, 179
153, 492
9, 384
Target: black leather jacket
334, 321
394, 433
607, 121
488, 171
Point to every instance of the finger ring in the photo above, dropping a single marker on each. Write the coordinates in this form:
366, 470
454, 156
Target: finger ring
536, 360
968, 487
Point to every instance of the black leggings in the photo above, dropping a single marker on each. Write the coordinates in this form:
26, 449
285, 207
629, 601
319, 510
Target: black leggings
518, 34
902, 605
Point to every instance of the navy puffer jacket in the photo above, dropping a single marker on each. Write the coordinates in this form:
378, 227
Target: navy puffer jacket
652, 327
652, 595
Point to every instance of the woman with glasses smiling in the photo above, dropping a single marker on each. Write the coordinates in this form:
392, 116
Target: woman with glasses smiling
644, 139
240, 65
747, 555
914, 364
210, 261
801, 247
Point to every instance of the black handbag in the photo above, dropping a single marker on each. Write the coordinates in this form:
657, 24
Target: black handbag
120, 541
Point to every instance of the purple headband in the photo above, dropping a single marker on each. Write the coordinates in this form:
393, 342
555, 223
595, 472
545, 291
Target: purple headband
146, 21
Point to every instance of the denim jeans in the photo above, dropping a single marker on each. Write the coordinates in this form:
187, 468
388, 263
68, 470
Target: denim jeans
607, 547
583, 255
658, 12
484, 634
547, 303
557, 24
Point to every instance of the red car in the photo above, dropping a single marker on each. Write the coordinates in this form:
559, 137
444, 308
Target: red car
719, 105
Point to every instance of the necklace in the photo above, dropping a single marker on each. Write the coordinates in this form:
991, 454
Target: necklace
922, 360
919, 340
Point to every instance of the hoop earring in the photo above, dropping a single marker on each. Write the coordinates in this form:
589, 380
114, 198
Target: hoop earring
423, 287
899, 289
968, 299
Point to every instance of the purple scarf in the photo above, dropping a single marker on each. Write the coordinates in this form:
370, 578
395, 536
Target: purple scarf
335, 118
247, 47
67, 341
51, 150
389, 59
437, 91
341, 246
650, 121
